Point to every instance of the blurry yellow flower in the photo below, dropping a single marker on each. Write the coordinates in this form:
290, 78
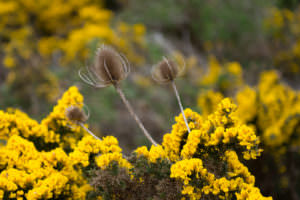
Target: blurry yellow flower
234, 68
9, 62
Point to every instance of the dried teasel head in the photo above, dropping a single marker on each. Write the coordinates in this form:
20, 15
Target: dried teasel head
166, 71
76, 114
109, 68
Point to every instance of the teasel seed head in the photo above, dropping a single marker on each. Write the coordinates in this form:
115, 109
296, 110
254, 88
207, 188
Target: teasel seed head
109, 68
165, 71
76, 114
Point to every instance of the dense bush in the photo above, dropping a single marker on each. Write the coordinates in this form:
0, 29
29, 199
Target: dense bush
54, 160
272, 109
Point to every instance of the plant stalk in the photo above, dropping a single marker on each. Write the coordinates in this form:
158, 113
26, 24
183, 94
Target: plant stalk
137, 119
90, 132
180, 105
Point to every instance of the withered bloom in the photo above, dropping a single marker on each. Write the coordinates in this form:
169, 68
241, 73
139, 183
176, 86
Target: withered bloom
76, 114
165, 71
109, 68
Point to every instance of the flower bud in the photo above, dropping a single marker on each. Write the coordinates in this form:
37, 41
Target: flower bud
109, 65
165, 71
109, 68
75, 114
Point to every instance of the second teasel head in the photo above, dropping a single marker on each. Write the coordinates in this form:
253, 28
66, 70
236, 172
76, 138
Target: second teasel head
76, 114
165, 71
109, 68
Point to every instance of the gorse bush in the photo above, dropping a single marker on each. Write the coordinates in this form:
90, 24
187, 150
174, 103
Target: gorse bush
272, 109
282, 26
202, 163
53, 131
202, 157
224, 78
41, 39
89, 20
35, 161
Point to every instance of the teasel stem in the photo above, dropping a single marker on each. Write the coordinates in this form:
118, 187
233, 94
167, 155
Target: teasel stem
88, 130
180, 105
137, 119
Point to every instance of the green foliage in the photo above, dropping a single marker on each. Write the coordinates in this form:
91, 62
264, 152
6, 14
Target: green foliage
205, 20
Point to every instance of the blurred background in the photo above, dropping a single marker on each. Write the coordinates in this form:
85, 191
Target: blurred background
246, 50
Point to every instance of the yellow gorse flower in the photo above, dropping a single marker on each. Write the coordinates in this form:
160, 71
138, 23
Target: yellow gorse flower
155, 152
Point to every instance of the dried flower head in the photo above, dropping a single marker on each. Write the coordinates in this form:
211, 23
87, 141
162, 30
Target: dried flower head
109, 68
76, 114
165, 71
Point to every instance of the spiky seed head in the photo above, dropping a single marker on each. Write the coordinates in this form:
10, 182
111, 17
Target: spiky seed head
109, 68
75, 114
110, 65
165, 71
